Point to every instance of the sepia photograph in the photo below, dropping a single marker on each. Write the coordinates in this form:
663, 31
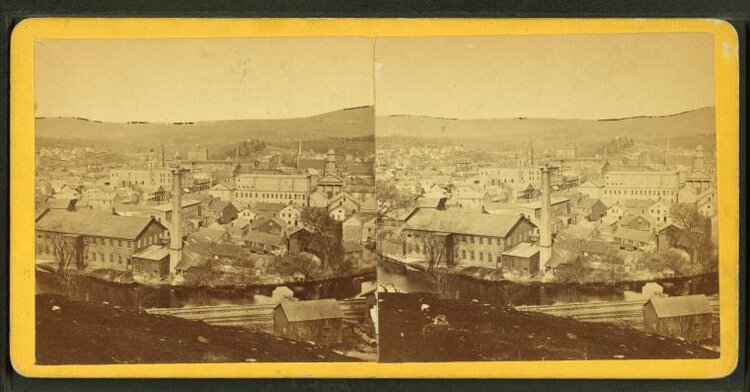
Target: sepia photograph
548, 197
374, 198
204, 200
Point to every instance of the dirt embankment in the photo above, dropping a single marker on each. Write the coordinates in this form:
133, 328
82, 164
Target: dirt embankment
86, 333
477, 332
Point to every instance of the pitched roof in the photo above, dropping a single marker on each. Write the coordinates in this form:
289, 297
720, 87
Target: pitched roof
226, 186
153, 252
330, 179
218, 205
491, 225
588, 202
60, 204
263, 206
401, 213
592, 184
638, 222
321, 309
680, 306
632, 234
100, 225
524, 250
265, 238
342, 195
578, 232
206, 235
431, 202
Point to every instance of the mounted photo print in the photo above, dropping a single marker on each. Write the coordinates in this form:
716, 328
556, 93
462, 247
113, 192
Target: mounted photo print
391, 198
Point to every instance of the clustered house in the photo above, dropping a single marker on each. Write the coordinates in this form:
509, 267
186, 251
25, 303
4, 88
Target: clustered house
467, 238
96, 241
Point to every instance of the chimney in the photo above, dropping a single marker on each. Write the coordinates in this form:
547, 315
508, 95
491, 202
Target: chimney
331, 162
545, 231
175, 244
299, 152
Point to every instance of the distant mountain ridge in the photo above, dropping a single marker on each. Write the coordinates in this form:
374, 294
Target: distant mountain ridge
348, 122
698, 123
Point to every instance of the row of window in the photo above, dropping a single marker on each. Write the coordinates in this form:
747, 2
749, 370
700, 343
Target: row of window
256, 195
145, 241
480, 240
104, 258
471, 256
108, 241
639, 192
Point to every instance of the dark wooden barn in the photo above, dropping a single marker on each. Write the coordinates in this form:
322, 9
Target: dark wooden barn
320, 321
687, 317
151, 262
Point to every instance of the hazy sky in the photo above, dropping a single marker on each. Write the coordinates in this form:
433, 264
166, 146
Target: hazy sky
193, 79
584, 76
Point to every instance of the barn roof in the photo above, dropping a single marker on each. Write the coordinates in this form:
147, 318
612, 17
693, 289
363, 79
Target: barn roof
60, 204
588, 202
153, 252
265, 238
680, 306
490, 225
523, 250
321, 309
100, 225
632, 234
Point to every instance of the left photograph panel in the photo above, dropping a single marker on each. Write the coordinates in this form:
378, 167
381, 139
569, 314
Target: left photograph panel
204, 200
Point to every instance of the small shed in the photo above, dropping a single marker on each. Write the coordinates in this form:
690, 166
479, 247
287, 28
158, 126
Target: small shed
522, 257
152, 262
687, 317
320, 321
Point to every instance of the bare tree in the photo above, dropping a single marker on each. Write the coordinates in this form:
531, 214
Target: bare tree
64, 250
433, 247
326, 237
697, 230
391, 199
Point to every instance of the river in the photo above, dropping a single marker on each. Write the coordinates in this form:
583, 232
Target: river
392, 276
135, 296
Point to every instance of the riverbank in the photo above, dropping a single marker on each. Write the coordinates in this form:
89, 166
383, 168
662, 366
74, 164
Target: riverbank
70, 332
126, 278
473, 331
507, 292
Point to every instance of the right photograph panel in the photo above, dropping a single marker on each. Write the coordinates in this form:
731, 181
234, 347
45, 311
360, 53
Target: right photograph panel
546, 197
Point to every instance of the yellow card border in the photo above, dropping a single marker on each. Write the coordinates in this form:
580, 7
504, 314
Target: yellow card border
22, 325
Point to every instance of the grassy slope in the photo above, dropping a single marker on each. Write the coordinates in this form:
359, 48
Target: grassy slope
86, 333
483, 332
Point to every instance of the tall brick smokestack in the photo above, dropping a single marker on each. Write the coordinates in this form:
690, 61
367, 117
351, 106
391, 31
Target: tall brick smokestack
175, 244
545, 231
